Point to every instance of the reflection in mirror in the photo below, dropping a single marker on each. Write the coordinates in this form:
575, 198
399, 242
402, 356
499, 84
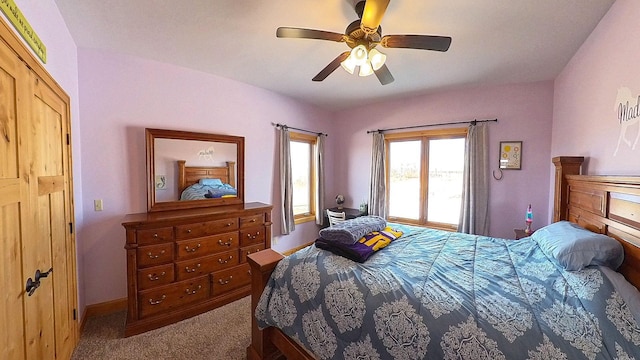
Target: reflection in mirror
188, 169
194, 162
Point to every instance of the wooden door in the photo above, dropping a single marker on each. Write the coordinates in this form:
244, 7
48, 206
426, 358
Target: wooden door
49, 317
14, 205
36, 214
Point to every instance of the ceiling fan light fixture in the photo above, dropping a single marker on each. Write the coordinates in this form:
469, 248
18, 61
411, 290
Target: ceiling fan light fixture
377, 59
349, 65
366, 69
359, 54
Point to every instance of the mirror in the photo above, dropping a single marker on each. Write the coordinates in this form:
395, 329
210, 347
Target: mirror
191, 170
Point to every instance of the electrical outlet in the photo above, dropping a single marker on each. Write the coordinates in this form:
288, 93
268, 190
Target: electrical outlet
97, 205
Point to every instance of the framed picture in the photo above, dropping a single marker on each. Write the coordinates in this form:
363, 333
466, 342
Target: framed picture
161, 182
510, 155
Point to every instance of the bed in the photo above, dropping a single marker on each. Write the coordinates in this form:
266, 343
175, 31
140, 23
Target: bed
475, 297
202, 182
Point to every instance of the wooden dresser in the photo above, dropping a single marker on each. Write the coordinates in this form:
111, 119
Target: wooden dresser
185, 262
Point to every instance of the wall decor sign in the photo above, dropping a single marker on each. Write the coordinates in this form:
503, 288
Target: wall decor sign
22, 26
206, 154
628, 111
510, 155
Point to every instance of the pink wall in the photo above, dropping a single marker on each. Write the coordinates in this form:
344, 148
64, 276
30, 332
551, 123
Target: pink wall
523, 113
120, 97
585, 121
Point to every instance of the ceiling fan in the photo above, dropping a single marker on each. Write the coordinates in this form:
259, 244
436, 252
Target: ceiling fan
362, 36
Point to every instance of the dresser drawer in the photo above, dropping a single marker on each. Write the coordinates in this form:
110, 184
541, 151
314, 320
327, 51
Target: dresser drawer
189, 249
154, 254
253, 220
191, 268
155, 276
206, 228
252, 236
231, 279
247, 250
154, 236
173, 296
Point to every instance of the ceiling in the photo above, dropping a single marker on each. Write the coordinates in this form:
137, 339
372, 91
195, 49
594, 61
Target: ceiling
494, 41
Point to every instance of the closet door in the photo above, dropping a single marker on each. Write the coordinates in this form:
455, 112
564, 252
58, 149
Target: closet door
36, 211
50, 310
14, 205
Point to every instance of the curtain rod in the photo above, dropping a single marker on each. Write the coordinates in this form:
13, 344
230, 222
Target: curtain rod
473, 122
290, 127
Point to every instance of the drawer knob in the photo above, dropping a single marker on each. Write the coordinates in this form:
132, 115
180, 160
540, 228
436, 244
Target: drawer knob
253, 220
188, 249
225, 261
228, 243
156, 302
229, 224
155, 235
188, 231
193, 292
154, 277
225, 282
190, 270
151, 256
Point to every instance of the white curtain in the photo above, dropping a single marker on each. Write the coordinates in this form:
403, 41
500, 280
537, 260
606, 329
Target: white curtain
320, 179
286, 184
378, 190
474, 217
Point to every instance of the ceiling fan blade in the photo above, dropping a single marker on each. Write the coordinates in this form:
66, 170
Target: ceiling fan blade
291, 32
384, 75
372, 15
423, 42
331, 67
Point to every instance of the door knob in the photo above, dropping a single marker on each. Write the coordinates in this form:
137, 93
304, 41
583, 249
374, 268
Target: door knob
39, 275
32, 285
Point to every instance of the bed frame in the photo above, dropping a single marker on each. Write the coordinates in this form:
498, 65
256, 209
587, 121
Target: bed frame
604, 204
189, 175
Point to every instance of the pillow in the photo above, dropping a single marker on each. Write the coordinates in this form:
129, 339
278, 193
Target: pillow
574, 247
628, 292
210, 182
350, 231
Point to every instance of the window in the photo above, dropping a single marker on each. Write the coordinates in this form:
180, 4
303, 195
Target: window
303, 149
425, 177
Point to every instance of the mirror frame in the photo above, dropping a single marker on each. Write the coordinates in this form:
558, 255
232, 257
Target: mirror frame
152, 134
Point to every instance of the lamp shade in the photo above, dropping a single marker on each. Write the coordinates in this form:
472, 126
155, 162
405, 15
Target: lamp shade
365, 69
349, 64
359, 55
377, 59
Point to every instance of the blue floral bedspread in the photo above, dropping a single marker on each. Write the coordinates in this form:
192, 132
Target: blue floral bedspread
440, 295
199, 191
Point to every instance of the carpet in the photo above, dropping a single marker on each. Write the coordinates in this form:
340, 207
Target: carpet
223, 333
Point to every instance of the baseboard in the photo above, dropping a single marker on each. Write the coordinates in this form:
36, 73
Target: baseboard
104, 308
291, 251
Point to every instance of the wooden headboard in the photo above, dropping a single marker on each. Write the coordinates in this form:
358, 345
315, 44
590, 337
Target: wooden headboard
607, 205
192, 174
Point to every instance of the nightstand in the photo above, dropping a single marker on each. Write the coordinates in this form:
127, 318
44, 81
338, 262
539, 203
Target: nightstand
521, 234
